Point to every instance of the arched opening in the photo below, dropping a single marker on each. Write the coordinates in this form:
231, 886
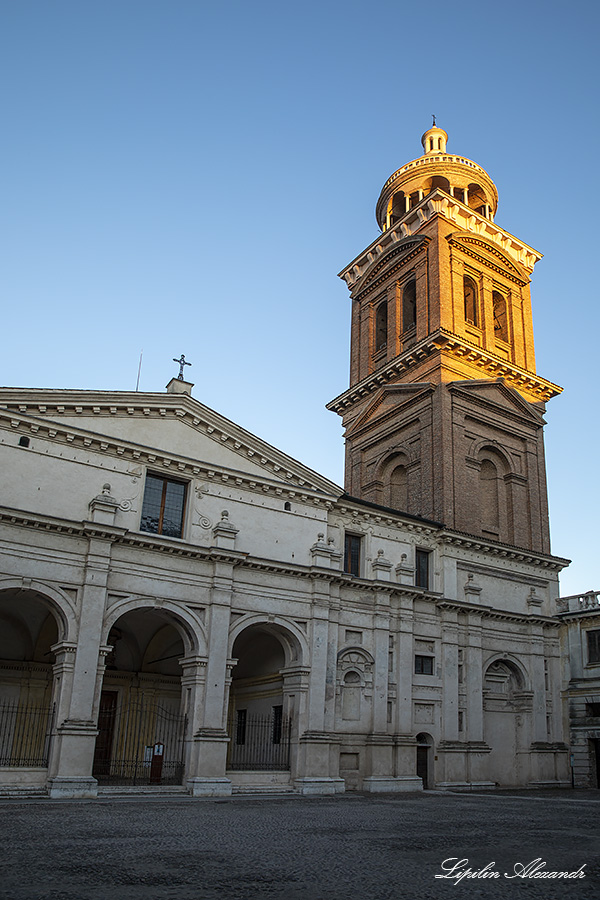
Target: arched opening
489, 496
399, 488
500, 317
424, 768
397, 207
351, 694
494, 495
381, 326
438, 181
470, 298
409, 306
259, 708
476, 198
507, 721
28, 630
141, 727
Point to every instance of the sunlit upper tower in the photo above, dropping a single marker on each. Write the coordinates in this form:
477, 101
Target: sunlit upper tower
444, 414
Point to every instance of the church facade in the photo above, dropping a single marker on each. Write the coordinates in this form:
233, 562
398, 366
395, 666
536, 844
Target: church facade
182, 604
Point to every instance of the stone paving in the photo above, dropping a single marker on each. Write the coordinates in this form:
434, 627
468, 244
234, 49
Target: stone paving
349, 847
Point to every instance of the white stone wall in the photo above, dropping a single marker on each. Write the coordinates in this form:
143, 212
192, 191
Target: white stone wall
349, 679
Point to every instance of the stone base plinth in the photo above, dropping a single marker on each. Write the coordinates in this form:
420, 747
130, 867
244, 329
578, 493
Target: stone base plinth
209, 787
465, 785
73, 788
381, 784
320, 785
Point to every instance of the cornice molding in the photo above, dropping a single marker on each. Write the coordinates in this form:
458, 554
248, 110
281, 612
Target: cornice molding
490, 612
389, 262
503, 264
453, 210
180, 548
175, 464
503, 551
41, 410
443, 341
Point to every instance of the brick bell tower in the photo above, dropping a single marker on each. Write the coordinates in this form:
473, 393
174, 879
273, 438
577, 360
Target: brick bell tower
444, 414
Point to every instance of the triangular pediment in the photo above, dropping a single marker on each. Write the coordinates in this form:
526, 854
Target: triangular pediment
388, 400
389, 262
499, 394
158, 426
489, 254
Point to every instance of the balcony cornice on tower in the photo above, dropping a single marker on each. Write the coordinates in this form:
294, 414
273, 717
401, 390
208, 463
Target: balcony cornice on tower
445, 164
440, 203
444, 341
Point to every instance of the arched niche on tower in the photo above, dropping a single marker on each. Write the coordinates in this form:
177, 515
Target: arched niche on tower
500, 307
497, 501
409, 305
396, 476
381, 325
471, 300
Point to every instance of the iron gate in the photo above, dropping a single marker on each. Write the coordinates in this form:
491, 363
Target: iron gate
138, 743
25, 734
259, 742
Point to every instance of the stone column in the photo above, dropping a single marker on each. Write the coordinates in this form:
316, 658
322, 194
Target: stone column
380, 743
451, 748
193, 681
75, 736
318, 751
405, 769
208, 757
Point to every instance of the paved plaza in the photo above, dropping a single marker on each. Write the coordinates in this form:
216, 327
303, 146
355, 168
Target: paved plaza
349, 847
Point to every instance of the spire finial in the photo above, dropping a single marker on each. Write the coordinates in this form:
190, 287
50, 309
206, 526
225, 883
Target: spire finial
433, 117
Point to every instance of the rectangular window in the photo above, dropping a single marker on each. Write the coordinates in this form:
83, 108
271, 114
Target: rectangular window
352, 554
422, 568
423, 665
593, 643
164, 506
592, 709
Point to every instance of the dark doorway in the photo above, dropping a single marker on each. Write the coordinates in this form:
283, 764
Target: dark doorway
595, 767
424, 748
422, 754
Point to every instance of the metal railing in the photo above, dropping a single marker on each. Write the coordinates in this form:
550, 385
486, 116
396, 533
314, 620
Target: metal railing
25, 734
259, 742
139, 743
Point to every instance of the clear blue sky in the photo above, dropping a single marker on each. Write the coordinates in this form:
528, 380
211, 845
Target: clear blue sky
189, 177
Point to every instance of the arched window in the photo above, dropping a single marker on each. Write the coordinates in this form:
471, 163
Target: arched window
500, 319
409, 306
381, 326
397, 207
488, 495
476, 198
438, 181
399, 488
470, 292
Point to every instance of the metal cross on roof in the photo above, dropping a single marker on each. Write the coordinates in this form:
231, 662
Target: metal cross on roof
182, 362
